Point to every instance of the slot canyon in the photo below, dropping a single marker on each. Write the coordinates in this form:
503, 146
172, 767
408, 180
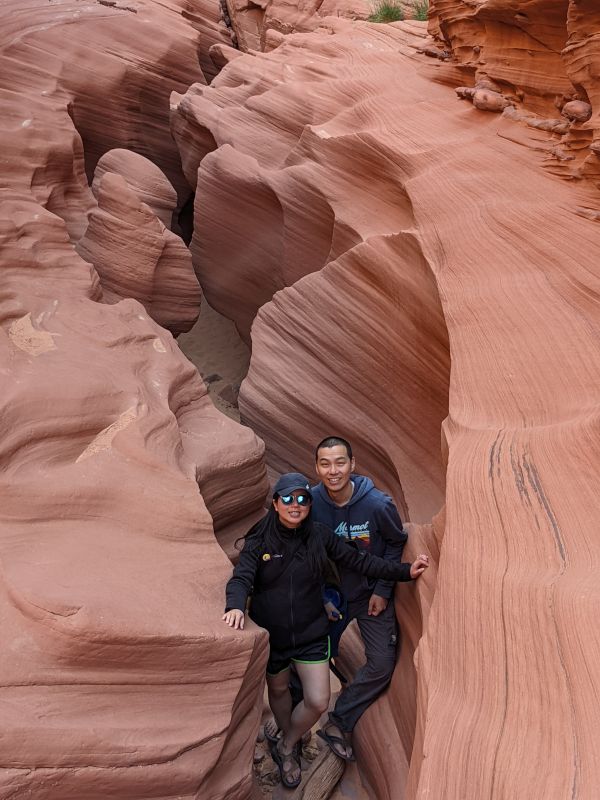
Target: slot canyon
228, 229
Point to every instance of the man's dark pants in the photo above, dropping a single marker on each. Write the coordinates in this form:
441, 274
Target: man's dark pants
380, 638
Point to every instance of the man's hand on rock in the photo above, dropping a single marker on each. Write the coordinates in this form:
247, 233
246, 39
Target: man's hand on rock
234, 618
419, 566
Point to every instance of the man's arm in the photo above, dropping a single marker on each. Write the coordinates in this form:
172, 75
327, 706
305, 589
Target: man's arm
389, 526
365, 563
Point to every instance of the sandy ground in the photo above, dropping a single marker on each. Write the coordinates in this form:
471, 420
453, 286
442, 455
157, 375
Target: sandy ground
215, 348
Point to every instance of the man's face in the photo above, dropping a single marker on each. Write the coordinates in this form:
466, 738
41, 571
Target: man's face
334, 468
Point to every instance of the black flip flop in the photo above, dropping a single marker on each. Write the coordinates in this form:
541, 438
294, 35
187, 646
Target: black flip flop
279, 758
331, 741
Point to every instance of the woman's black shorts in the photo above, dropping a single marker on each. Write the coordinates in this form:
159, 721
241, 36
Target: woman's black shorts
317, 652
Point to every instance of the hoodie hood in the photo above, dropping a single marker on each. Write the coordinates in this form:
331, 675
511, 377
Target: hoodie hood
362, 486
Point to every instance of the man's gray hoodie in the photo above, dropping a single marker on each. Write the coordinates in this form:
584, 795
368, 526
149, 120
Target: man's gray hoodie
369, 521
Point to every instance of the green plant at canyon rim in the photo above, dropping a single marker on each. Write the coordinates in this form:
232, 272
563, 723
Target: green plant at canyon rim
420, 9
386, 11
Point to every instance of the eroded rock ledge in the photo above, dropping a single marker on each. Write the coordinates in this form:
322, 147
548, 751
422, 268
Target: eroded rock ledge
118, 677
542, 56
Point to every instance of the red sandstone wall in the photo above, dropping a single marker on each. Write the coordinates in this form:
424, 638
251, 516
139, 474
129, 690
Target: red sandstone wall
398, 257
119, 678
541, 54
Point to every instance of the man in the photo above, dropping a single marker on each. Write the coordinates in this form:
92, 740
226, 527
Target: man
368, 520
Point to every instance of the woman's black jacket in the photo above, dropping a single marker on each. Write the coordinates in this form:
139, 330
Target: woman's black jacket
286, 595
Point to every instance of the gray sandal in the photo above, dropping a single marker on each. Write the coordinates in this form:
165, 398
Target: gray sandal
284, 773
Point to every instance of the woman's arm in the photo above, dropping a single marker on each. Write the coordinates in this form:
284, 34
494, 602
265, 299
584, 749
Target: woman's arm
369, 565
240, 584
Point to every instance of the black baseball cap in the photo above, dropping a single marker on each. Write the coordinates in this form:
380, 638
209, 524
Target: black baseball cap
290, 482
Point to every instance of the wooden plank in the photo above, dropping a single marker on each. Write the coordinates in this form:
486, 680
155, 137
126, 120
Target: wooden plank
318, 782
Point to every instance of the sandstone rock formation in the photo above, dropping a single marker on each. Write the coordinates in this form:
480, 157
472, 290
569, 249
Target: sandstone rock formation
254, 21
118, 97
543, 55
410, 272
260, 24
132, 251
143, 177
118, 677
404, 232
352, 342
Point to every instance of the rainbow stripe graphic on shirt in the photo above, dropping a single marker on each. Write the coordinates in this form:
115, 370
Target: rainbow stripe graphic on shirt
359, 532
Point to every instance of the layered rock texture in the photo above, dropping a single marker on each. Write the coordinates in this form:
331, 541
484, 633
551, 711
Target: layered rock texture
542, 55
260, 25
133, 252
431, 276
411, 272
118, 676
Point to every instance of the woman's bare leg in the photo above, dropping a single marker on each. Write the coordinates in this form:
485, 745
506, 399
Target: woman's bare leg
280, 698
316, 689
280, 701
294, 724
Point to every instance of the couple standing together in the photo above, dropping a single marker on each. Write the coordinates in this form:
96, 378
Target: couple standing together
283, 567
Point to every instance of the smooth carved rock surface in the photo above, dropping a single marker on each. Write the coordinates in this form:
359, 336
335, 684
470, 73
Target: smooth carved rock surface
143, 177
264, 166
133, 252
117, 99
118, 677
404, 229
260, 25
362, 367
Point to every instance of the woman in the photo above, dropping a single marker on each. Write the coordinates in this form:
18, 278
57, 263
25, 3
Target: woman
281, 565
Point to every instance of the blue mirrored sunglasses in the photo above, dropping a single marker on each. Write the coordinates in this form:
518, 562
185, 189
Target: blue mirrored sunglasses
301, 499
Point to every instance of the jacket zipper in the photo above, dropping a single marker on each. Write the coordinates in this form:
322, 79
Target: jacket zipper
292, 609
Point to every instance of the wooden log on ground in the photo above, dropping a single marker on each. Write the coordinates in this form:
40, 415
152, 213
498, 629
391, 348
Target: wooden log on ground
318, 782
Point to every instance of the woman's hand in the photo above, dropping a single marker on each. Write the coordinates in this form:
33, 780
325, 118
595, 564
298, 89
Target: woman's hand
419, 566
234, 618
333, 613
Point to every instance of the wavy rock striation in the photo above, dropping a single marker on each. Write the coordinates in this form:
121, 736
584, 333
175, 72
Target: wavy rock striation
256, 22
349, 345
118, 677
517, 44
261, 25
119, 98
402, 227
133, 252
